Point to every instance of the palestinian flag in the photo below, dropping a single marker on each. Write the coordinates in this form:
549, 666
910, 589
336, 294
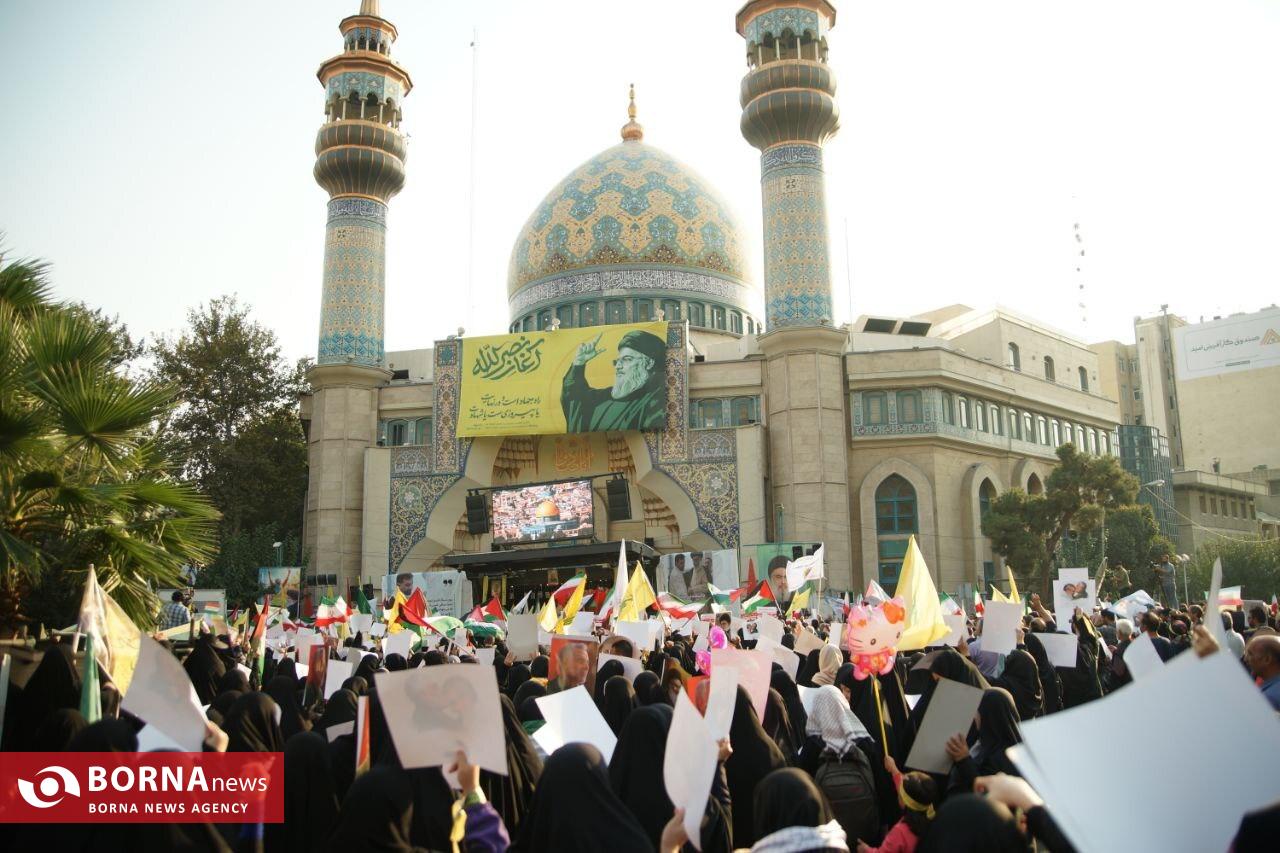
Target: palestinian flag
949, 605
761, 599
414, 609
720, 598
332, 611
445, 626
678, 608
598, 598
480, 628
567, 588
491, 612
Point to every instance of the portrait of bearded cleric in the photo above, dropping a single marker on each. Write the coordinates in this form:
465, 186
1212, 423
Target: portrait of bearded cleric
637, 398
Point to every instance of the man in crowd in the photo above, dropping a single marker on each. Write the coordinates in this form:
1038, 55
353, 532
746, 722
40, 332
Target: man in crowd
174, 613
1257, 618
1235, 642
1168, 586
1151, 626
1263, 658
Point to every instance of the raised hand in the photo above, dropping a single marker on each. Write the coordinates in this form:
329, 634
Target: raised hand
588, 350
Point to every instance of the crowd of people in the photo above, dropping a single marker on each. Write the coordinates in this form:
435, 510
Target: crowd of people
826, 774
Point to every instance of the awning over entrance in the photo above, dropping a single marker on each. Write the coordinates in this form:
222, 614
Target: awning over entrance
512, 573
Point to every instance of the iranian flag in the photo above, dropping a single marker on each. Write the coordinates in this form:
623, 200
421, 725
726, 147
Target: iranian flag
1229, 596
566, 590
678, 608
332, 611
761, 600
949, 605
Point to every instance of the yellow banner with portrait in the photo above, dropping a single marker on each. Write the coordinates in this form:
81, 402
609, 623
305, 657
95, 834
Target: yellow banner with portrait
593, 379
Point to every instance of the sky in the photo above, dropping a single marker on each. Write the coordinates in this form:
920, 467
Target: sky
164, 154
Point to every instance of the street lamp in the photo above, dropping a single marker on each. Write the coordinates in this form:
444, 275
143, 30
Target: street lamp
279, 546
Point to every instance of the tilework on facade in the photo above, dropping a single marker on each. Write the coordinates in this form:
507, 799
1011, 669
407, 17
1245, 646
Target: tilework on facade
674, 440
797, 268
710, 482
778, 21
363, 84
628, 283
630, 204
351, 313
447, 386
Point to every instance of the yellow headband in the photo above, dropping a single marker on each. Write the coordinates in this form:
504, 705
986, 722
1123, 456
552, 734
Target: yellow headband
912, 804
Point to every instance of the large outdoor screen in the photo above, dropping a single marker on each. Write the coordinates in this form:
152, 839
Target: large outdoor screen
542, 513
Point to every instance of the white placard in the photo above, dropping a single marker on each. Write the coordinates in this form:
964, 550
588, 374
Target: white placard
835, 633
1068, 594
807, 641
360, 623
1141, 658
1061, 649
583, 623
434, 711
689, 765
950, 712
1000, 625
337, 730
657, 631
379, 629
754, 669
1217, 705
571, 717
336, 673
398, 643
162, 695
788, 660
956, 622
636, 632
768, 626
631, 667
721, 699
484, 656
522, 635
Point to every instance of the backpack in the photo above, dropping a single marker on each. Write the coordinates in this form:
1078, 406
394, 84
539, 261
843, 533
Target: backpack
851, 790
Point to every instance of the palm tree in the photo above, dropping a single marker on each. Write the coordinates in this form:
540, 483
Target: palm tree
81, 479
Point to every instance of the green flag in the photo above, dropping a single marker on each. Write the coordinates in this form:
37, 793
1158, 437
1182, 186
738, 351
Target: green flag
362, 603
90, 690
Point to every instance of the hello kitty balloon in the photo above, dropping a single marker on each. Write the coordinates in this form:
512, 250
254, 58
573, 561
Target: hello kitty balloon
872, 634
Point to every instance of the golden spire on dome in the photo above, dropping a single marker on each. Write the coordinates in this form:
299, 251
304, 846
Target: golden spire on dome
370, 8
632, 131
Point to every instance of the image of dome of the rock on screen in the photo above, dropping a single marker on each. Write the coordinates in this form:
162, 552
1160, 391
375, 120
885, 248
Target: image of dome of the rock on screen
543, 512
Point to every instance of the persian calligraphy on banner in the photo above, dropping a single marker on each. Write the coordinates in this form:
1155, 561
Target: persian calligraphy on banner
594, 379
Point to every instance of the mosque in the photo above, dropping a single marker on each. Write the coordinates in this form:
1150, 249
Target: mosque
780, 426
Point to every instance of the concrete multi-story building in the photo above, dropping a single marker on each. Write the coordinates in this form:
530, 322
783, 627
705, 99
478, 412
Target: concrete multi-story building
780, 426
1212, 507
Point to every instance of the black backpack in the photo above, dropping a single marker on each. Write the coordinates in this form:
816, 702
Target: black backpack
851, 790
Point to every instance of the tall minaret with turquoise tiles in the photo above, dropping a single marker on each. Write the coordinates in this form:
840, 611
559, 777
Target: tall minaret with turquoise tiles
788, 112
360, 155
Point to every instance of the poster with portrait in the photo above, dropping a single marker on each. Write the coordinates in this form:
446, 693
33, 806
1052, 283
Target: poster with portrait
284, 583
686, 574
1073, 588
769, 560
448, 592
592, 379
577, 655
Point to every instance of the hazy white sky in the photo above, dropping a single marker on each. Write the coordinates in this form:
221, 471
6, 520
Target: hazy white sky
159, 152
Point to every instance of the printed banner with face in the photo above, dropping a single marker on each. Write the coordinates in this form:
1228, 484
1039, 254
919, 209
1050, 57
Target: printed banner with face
686, 574
593, 379
283, 583
769, 561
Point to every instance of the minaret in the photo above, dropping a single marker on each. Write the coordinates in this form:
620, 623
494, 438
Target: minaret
788, 112
360, 155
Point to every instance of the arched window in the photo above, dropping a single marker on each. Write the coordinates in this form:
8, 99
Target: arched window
986, 495
1015, 357
994, 411
1042, 433
615, 311
1034, 486
909, 408
544, 320
1028, 428
1049, 372
707, 413
643, 310
717, 317
735, 322
671, 310
964, 412
1055, 433
422, 431
1080, 439
697, 314
589, 313
565, 315
948, 408
1084, 379
979, 416
896, 521
1013, 423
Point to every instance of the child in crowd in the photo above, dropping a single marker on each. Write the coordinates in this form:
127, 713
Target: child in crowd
917, 793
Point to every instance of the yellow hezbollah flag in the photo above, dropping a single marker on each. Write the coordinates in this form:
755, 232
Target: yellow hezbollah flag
637, 598
598, 378
1013, 585
547, 618
924, 611
570, 608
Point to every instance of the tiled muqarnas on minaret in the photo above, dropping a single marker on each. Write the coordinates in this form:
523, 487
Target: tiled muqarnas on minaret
788, 112
360, 162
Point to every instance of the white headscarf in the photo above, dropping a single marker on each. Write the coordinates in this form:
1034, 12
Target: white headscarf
833, 721
798, 839
829, 661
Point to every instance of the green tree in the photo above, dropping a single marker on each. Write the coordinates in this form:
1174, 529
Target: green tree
236, 431
1134, 541
241, 555
1027, 529
81, 480
1251, 564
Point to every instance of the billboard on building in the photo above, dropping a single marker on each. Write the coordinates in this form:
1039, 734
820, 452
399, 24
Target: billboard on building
1246, 342
543, 512
686, 574
593, 379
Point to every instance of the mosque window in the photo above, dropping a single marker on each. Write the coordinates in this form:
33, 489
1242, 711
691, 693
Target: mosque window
589, 313
1104, 443
735, 322
1092, 437
643, 310
895, 524
874, 409
397, 433
527, 325
744, 410
707, 414
1028, 428
994, 411
544, 320
1055, 433
948, 408
1041, 431
697, 314
565, 315
717, 317
422, 431
615, 311
671, 310
909, 411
